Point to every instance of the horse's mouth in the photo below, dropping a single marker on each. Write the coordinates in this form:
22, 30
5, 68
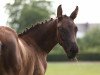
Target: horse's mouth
73, 59
72, 56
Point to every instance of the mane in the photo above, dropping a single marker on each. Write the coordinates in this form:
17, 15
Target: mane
65, 16
34, 27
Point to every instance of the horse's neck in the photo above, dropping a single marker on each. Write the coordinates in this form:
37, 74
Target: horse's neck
44, 36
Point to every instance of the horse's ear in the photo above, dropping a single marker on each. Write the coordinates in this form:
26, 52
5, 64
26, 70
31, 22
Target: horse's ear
59, 12
74, 13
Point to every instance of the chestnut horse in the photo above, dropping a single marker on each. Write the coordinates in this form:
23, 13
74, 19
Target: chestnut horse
26, 53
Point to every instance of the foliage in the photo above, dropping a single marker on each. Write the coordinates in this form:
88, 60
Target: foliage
90, 42
57, 50
24, 13
81, 57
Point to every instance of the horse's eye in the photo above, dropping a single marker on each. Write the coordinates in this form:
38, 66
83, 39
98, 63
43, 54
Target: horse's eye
76, 29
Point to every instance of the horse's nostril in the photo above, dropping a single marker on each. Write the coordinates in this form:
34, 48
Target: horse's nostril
74, 49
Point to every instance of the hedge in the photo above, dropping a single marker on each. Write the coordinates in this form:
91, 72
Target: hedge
81, 57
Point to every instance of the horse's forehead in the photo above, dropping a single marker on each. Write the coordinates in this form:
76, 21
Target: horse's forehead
66, 22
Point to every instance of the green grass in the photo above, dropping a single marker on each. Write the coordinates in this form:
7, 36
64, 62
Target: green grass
80, 68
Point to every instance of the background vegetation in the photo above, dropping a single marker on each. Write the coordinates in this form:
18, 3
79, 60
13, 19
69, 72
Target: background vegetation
24, 13
90, 43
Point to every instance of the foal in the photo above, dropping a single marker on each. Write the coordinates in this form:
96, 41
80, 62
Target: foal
26, 53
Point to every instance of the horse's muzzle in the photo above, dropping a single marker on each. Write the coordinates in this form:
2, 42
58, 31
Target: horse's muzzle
73, 52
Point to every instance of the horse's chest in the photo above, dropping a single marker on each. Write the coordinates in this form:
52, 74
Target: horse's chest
40, 66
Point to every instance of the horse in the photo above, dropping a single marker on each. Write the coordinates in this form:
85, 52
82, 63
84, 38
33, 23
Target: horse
26, 53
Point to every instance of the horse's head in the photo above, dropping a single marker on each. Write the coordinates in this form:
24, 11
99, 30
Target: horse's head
66, 32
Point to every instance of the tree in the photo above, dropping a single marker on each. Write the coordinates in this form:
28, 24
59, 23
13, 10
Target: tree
24, 13
90, 42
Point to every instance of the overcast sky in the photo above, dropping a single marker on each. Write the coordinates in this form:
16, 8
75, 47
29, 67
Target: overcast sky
89, 10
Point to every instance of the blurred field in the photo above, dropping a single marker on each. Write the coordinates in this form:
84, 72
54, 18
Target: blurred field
80, 68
